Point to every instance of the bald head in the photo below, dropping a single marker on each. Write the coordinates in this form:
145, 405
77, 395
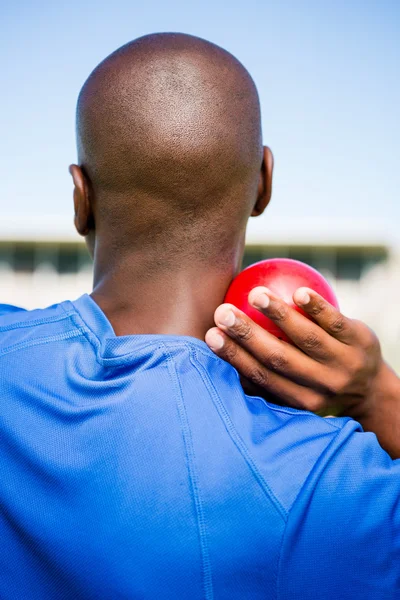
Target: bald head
169, 142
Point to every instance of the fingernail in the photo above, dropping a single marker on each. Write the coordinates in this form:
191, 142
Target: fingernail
214, 340
260, 301
303, 297
227, 318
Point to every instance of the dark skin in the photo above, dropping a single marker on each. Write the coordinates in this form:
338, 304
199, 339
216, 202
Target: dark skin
190, 292
171, 167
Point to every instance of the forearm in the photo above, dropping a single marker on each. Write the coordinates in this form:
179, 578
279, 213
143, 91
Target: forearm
381, 413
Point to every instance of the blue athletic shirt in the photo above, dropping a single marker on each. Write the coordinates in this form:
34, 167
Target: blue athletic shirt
135, 467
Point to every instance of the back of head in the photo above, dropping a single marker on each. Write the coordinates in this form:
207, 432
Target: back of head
169, 139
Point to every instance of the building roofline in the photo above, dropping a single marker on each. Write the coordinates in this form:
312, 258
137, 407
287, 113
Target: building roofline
261, 231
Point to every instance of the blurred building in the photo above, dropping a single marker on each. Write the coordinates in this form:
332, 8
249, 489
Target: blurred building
43, 261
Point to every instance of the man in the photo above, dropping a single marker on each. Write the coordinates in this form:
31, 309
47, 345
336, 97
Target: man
132, 463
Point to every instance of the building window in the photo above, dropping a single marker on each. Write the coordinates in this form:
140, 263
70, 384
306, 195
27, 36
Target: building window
23, 259
253, 255
67, 260
349, 266
345, 264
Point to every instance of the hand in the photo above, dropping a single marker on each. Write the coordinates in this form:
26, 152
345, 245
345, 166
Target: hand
331, 368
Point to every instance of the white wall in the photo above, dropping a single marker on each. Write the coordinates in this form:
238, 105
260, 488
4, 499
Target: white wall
43, 287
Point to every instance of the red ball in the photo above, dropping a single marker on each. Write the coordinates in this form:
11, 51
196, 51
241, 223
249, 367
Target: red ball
283, 276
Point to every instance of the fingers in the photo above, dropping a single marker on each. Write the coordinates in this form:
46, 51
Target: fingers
327, 316
276, 355
306, 334
334, 356
261, 376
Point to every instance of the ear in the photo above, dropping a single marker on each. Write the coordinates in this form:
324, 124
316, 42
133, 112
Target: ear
83, 219
265, 183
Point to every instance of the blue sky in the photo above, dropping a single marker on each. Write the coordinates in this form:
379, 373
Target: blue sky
327, 74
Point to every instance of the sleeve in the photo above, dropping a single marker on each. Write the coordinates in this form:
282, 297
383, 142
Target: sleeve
342, 537
6, 309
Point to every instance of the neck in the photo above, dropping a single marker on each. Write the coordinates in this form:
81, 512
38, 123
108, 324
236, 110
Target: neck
139, 299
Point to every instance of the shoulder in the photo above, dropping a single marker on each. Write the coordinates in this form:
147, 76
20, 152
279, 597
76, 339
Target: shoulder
6, 309
288, 445
19, 327
281, 446
346, 520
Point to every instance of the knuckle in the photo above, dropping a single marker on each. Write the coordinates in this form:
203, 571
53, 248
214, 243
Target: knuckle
259, 376
359, 374
243, 331
357, 365
230, 351
316, 404
336, 385
316, 307
371, 342
280, 312
337, 325
276, 361
312, 401
367, 337
311, 342
362, 387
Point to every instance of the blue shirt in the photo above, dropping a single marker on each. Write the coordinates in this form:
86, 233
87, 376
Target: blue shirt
135, 467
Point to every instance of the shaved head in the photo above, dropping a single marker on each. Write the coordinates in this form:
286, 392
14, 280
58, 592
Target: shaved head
169, 143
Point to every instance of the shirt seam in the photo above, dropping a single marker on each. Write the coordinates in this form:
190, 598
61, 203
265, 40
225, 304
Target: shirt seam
280, 409
109, 361
35, 322
235, 437
193, 478
93, 339
41, 341
312, 470
303, 413
89, 334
